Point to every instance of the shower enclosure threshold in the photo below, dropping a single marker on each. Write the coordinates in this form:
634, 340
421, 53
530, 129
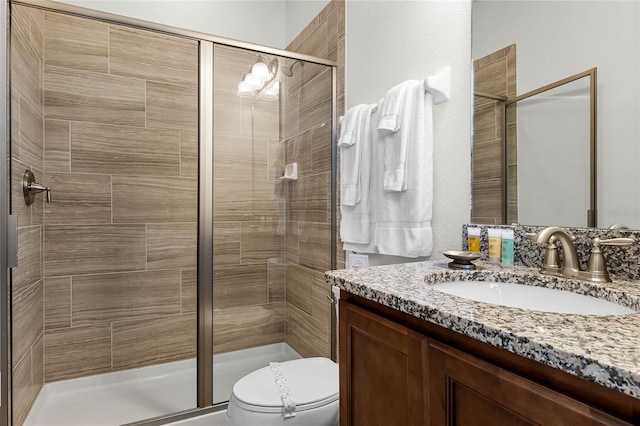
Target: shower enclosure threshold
131, 395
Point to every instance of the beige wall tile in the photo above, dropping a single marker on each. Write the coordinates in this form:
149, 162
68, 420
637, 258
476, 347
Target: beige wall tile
31, 135
29, 269
25, 66
315, 246
321, 291
153, 341
172, 245
321, 150
26, 319
232, 200
91, 249
37, 363
276, 279
290, 126
487, 200
308, 198
37, 32
57, 146
120, 150
260, 241
226, 243
78, 199
230, 66
57, 302
74, 42
261, 118
292, 242
227, 116
298, 287
240, 157
77, 352
241, 285
103, 298
247, 327
15, 124
154, 199
306, 335
171, 106
188, 154
298, 150
85, 96
315, 101
189, 290
151, 56
24, 392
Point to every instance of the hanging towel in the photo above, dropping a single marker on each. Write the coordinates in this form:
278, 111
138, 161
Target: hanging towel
396, 143
355, 219
350, 157
392, 107
404, 218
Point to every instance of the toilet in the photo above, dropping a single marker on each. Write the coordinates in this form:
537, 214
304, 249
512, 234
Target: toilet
312, 384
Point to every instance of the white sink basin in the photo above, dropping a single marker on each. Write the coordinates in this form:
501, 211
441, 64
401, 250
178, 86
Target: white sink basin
532, 298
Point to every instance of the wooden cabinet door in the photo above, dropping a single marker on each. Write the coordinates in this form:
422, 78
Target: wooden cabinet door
381, 371
466, 391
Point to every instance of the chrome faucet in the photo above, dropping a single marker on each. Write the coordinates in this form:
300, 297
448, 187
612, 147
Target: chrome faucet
596, 266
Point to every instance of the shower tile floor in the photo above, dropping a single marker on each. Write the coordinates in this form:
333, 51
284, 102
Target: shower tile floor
132, 395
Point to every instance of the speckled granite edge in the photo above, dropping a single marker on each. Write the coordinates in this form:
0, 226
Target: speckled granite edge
601, 349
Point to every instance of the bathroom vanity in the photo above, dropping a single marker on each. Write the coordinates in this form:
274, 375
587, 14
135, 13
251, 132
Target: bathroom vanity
412, 355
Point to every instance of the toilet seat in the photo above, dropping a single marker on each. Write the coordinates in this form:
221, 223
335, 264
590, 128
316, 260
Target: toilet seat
313, 382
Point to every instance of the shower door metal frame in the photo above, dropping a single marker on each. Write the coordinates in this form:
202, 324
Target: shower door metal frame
204, 402
5, 324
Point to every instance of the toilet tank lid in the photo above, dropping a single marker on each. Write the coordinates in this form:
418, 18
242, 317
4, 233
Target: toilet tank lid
311, 381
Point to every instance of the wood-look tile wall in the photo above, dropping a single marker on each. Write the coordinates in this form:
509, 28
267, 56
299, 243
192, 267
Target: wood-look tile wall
248, 209
119, 239
306, 130
494, 74
27, 139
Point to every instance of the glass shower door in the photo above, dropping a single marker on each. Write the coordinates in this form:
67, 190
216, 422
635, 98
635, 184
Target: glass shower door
271, 210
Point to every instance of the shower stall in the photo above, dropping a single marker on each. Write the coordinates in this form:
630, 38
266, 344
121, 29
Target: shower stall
191, 218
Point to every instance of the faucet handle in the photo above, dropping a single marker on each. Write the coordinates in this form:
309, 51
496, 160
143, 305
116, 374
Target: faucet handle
614, 242
597, 265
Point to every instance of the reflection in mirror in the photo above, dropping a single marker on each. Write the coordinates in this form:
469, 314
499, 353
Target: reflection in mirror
549, 156
556, 39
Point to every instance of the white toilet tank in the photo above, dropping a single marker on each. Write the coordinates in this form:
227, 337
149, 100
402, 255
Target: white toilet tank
312, 382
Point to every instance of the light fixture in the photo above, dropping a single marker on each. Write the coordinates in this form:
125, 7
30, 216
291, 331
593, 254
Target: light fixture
260, 71
244, 91
263, 81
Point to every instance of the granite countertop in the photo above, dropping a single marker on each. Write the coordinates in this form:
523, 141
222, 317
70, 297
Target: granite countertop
602, 349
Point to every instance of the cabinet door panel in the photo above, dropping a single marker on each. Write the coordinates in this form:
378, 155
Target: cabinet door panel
465, 390
381, 371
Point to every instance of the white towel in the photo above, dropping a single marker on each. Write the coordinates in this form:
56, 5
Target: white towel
404, 218
396, 143
355, 222
350, 156
392, 106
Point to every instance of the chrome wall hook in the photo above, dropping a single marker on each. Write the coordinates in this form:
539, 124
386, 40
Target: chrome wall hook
30, 188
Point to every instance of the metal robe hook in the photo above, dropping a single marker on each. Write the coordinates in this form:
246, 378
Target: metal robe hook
30, 188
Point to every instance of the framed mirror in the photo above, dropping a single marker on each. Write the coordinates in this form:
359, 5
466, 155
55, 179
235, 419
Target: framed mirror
550, 154
556, 39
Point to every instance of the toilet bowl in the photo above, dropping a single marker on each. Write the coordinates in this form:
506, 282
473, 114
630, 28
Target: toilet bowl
312, 384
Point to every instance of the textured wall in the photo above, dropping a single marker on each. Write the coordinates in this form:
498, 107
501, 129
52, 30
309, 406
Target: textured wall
416, 40
307, 138
120, 154
27, 139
